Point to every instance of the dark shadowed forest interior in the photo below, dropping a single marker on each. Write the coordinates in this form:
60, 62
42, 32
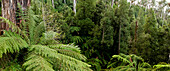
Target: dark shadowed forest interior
85, 35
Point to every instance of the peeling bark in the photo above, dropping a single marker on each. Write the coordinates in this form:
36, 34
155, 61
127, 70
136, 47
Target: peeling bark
9, 8
24, 3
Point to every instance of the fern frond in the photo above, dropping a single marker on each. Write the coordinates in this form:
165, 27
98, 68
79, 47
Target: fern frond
68, 50
76, 39
16, 29
31, 25
135, 57
160, 66
120, 67
12, 25
53, 55
121, 58
131, 63
38, 31
37, 63
110, 65
11, 45
144, 64
66, 47
73, 29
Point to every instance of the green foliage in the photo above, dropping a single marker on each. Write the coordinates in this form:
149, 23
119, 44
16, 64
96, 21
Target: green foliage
129, 63
122, 19
44, 51
150, 39
161, 66
95, 29
44, 57
13, 67
37, 63
96, 64
11, 44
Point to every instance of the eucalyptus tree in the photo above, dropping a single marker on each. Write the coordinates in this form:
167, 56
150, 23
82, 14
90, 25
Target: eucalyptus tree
9, 8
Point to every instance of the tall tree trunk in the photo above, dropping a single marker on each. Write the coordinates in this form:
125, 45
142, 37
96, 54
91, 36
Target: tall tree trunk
53, 3
136, 28
65, 1
74, 6
9, 8
103, 34
119, 39
112, 3
24, 3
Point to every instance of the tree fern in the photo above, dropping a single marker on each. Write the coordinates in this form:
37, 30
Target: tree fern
37, 63
41, 57
66, 47
11, 45
69, 50
53, 55
161, 67
129, 63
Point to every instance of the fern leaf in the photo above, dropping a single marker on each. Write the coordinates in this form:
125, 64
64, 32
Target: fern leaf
37, 63
53, 55
121, 58
160, 66
66, 47
11, 45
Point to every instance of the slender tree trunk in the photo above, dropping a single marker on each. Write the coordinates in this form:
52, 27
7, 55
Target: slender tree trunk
74, 6
112, 3
53, 3
103, 35
169, 58
119, 39
65, 1
136, 28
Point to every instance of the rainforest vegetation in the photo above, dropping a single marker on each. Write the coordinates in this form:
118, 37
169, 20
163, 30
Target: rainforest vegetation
84, 35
